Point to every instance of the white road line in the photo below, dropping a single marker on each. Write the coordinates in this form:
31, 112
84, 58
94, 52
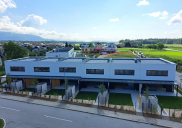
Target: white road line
10, 108
57, 118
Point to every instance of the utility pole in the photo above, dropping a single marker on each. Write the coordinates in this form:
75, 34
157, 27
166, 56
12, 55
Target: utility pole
65, 86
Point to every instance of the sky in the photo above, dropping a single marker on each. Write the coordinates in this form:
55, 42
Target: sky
89, 20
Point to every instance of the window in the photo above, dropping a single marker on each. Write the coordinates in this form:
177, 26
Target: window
157, 73
124, 72
41, 69
18, 69
70, 69
94, 71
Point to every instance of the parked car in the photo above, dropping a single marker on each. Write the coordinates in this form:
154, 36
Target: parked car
103, 53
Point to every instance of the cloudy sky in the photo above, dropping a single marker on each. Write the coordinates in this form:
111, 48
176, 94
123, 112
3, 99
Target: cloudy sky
87, 20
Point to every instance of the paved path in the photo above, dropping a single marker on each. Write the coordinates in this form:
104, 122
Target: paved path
90, 110
173, 50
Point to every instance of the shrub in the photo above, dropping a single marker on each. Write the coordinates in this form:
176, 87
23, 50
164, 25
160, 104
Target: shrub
154, 109
173, 114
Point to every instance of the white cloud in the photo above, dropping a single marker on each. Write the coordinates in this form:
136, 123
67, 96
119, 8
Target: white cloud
4, 4
94, 28
164, 15
154, 14
176, 19
7, 26
143, 2
33, 20
116, 19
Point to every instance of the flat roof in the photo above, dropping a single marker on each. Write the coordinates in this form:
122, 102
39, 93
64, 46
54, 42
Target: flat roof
96, 60
72, 60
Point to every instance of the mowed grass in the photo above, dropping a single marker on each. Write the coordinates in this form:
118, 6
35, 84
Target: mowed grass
57, 91
172, 101
172, 54
87, 95
120, 99
1, 123
124, 50
121, 56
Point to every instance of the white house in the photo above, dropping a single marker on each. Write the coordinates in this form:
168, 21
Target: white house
135, 74
62, 52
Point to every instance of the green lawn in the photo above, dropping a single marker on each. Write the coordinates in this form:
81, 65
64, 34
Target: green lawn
124, 50
1, 123
171, 101
172, 54
120, 56
179, 91
77, 50
57, 91
120, 99
87, 95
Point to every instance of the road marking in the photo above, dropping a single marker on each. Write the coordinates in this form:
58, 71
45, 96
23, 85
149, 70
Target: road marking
10, 109
57, 118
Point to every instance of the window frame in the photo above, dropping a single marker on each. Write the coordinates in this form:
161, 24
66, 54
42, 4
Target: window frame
41, 69
68, 69
18, 69
95, 71
127, 72
156, 73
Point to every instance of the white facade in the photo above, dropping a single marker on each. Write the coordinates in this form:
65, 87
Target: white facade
82, 64
61, 53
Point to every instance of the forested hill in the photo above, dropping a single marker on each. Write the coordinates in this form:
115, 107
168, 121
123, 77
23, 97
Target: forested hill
154, 41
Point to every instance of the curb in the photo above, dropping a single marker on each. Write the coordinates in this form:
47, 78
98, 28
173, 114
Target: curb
4, 122
91, 113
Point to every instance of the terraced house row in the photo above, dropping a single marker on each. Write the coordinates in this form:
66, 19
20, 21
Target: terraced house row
130, 74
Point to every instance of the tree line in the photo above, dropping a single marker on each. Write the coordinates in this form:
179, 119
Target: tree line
154, 41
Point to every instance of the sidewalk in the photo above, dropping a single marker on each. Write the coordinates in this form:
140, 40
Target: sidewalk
94, 110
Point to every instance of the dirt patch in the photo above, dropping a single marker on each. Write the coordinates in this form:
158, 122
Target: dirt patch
15, 94
41, 98
177, 112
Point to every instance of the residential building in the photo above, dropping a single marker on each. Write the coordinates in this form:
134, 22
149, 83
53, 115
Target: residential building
120, 73
61, 52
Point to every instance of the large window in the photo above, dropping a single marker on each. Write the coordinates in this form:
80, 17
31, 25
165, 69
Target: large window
64, 69
124, 72
41, 69
19, 69
157, 73
94, 71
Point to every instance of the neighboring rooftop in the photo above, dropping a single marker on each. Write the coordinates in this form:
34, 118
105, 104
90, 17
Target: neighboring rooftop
64, 49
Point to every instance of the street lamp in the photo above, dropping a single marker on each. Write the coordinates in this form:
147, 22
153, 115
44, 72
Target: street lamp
65, 85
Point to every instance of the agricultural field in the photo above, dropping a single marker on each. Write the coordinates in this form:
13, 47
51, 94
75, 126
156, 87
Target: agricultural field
121, 56
174, 46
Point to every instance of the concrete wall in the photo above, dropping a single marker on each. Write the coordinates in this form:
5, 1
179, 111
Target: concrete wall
109, 69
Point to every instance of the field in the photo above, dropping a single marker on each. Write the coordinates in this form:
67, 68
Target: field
121, 56
174, 46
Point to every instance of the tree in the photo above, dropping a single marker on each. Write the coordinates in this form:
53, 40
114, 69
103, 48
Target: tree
102, 88
8, 79
140, 45
14, 51
66, 85
35, 82
66, 44
146, 94
127, 43
160, 45
91, 45
29, 48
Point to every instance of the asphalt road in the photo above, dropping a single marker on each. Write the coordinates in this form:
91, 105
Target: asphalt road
23, 115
